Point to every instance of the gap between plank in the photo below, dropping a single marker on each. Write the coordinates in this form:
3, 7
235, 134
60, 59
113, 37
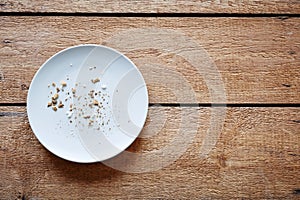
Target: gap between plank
234, 105
278, 105
247, 15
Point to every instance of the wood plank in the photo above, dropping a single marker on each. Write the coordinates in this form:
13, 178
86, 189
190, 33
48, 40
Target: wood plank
256, 157
257, 58
153, 6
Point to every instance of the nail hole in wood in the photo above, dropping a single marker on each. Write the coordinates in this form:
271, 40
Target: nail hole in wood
291, 52
286, 85
24, 87
297, 191
7, 41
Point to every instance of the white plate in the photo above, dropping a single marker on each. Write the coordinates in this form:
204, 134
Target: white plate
88, 132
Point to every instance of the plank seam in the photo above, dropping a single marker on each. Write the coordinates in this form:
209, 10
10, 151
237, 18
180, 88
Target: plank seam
261, 105
277, 105
282, 16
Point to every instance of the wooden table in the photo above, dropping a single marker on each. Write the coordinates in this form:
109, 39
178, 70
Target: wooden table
254, 44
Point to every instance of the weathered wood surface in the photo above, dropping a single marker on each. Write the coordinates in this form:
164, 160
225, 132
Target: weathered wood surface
152, 6
256, 157
257, 154
258, 58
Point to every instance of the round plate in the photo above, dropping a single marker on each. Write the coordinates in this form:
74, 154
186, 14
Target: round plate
87, 103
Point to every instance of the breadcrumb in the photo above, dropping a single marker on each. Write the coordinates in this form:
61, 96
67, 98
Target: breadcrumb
55, 96
54, 102
96, 80
95, 102
63, 83
60, 105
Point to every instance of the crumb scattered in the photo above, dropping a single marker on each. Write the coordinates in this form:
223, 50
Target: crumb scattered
54, 102
63, 83
62, 96
60, 105
96, 80
95, 102
91, 122
91, 94
55, 96
54, 108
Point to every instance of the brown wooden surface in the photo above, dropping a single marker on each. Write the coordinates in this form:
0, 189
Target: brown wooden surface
258, 58
153, 6
256, 157
256, 50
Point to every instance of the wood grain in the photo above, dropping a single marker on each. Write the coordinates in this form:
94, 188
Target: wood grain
153, 6
258, 58
256, 156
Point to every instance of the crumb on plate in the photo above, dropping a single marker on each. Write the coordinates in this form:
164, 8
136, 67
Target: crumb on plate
63, 83
96, 80
60, 105
54, 108
55, 96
